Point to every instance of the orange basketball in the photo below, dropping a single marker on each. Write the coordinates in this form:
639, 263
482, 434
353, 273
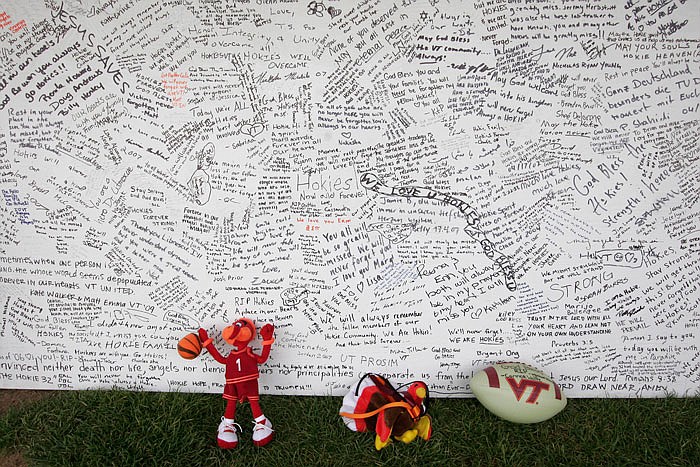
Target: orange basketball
189, 346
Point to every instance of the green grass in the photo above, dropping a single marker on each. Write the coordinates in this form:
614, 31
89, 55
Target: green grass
103, 428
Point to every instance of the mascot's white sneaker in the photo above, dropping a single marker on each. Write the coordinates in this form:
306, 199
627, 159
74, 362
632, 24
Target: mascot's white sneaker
227, 439
262, 432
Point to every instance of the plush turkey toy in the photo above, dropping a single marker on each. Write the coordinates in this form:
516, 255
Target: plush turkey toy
242, 379
376, 406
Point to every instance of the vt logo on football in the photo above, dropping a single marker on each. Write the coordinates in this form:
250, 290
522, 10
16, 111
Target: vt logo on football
519, 388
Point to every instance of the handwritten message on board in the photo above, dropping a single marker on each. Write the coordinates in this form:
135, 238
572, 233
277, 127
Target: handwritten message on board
413, 188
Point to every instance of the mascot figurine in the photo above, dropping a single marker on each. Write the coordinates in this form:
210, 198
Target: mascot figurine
241, 379
375, 406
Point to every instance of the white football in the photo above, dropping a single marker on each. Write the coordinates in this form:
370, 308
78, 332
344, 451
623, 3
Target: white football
518, 392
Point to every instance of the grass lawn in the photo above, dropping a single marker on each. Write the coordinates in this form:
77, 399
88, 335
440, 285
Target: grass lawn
104, 428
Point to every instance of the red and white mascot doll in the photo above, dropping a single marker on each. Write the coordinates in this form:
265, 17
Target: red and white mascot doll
242, 379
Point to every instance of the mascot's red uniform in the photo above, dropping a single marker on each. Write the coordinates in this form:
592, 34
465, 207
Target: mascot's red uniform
242, 379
